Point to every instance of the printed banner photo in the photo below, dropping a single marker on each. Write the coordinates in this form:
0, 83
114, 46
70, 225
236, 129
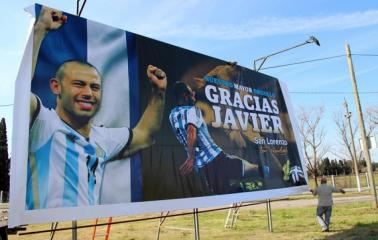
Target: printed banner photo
110, 123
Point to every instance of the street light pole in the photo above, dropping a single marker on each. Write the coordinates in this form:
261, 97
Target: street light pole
312, 39
361, 126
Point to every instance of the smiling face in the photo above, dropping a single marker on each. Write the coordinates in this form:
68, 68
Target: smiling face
78, 87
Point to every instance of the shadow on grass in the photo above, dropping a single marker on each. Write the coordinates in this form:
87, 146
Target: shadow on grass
359, 231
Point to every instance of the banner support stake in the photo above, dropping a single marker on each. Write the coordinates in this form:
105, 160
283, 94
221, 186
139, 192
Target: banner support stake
53, 230
74, 230
269, 213
161, 221
196, 224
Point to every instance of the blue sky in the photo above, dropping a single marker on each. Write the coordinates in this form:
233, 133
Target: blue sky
241, 31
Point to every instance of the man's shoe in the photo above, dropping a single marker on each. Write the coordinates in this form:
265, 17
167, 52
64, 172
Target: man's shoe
325, 230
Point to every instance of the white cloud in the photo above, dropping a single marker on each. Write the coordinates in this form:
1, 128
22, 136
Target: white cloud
173, 26
167, 14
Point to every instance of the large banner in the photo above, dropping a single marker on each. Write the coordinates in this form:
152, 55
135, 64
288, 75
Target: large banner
111, 123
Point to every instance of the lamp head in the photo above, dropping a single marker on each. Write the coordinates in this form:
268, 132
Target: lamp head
313, 39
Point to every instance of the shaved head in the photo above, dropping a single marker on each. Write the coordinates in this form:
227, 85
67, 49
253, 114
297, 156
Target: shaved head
63, 67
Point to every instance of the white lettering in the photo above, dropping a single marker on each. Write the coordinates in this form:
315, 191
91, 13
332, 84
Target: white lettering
275, 107
217, 116
229, 119
243, 120
257, 103
264, 121
277, 128
211, 95
248, 102
237, 101
266, 107
225, 97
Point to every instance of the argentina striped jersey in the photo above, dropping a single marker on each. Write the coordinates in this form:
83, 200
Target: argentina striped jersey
64, 168
206, 150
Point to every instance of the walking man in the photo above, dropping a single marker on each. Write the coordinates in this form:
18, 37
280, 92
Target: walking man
325, 202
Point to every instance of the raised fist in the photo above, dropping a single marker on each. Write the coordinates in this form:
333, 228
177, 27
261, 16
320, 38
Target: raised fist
157, 77
50, 19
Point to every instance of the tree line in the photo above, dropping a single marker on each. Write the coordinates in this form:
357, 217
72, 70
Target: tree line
329, 167
4, 159
317, 148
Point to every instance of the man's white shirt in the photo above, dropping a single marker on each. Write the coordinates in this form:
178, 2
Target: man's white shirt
64, 168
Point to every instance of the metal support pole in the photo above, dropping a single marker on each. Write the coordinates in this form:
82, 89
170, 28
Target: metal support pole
161, 221
312, 39
361, 126
53, 230
367, 180
196, 224
333, 180
269, 213
79, 9
354, 156
74, 230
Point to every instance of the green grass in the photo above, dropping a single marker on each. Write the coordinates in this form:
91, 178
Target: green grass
349, 221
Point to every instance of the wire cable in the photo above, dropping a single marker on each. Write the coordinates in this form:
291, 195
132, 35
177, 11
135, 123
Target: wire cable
306, 61
359, 92
6, 105
321, 59
364, 55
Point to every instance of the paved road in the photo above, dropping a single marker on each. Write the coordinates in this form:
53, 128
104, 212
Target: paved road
313, 202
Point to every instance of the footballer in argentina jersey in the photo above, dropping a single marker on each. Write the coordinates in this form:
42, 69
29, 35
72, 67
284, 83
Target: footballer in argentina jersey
64, 168
206, 150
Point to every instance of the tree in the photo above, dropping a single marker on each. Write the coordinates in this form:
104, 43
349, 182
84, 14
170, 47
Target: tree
334, 167
345, 138
4, 158
313, 136
325, 167
371, 120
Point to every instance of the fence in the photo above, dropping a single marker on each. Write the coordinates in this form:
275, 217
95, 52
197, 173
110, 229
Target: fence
347, 181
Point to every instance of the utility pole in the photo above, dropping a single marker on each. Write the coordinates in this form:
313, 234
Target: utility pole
361, 126
354, 157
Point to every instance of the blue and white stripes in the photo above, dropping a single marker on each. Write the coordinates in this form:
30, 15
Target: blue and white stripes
206, 150
106, 48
